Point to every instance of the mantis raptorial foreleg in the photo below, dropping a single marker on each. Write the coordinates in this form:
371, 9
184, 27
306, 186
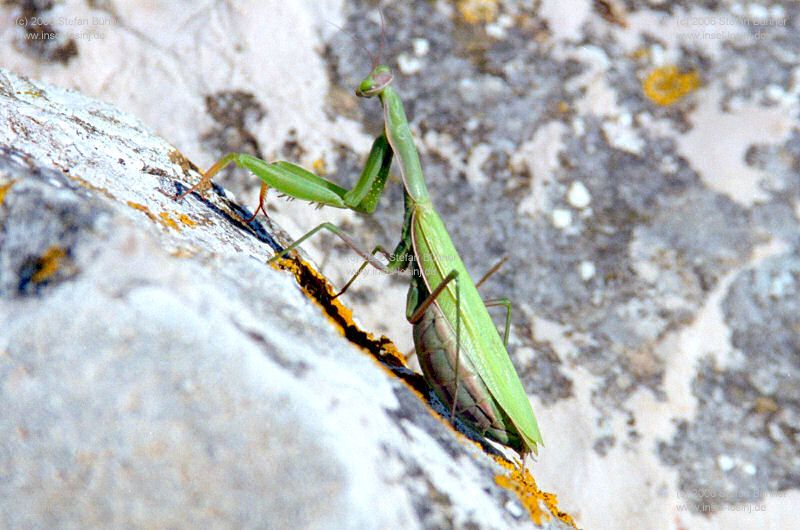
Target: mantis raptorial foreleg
294, 181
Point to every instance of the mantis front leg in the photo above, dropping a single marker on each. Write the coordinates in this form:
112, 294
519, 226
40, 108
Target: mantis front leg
294, 181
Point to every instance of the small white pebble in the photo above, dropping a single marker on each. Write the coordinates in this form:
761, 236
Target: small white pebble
737, 9
777, 12
657, 55
579, 126
421, 47
578, 196
757, 11
562, 218
514, 509
749, 468
774, 92
408, 65
496, 31
472, 124
725, 462
668, 164
587, 270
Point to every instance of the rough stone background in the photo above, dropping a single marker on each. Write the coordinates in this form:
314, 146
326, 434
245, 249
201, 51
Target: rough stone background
652, 232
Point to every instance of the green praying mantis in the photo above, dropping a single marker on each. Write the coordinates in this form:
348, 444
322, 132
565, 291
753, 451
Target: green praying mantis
462, 356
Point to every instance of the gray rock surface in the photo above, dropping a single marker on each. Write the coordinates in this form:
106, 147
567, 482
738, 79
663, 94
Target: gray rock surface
637, 160
156, 373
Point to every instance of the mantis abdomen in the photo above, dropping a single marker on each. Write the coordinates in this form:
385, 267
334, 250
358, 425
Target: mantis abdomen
435, 343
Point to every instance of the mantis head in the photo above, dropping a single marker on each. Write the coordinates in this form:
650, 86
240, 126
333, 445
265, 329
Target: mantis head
375, 82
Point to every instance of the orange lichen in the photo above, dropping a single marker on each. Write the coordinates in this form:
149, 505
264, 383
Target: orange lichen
163, 218
32, 93
88, 185
521, 482
478, 11
640, 53
319, 167
666, 85
317, 288
4, 189
48, 264
167, 221
186, 220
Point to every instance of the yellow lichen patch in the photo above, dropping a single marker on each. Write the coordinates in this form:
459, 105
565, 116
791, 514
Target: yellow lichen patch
320, 291
640, 53
4, 189
563, 107
32, 93
186, 220
167, 221
48, 264
522, 483
666, 85
88, 185
319, 167
478, 11
163, 218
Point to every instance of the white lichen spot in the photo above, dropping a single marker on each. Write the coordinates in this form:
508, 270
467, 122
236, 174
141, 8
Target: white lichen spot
749, 469
408, 65
725, 463
578, 196
421, 47
562, 218
479, 155
587, 270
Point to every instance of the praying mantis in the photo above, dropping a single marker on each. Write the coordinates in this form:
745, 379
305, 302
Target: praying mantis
463, 358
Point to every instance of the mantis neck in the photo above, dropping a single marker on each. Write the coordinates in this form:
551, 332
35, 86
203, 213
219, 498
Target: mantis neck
399, 136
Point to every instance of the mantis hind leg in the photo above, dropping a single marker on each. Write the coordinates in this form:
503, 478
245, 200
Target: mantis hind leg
507, 304
502, 301
491, 271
